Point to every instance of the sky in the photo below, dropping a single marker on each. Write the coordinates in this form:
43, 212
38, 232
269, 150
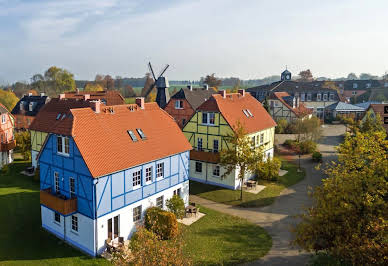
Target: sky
241, 38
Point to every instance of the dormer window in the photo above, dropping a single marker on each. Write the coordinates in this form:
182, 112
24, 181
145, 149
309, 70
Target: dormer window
178, 104
249, 112
132, 135
63, 145
246, 113
355, 85
30, 107
21, 105
318, 97
141, 133
331, 97
368, 85
325, 97
3, 119
308, 96
58, 116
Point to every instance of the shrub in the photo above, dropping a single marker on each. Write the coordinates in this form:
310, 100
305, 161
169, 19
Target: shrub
290, 143
161, 222
281, 127
5, 170
269, 170
176, 206
307, 146
317, 156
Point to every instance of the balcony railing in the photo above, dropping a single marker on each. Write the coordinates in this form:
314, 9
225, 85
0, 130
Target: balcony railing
58, 202
7, 146
211, 157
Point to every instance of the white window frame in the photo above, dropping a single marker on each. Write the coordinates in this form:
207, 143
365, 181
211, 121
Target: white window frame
261, 138
319, 97
355, 85
331, 97
136, 179
74, 223
199, 147
159, 171
30, 106
325, 97
198, 163
56, 182
65, 145
55, 218
302, 97
218, 145
158, 201
210, 116
177, 192
148, 175
136, 217
72, 188
216, 171
3, 119
179, 104
308, 97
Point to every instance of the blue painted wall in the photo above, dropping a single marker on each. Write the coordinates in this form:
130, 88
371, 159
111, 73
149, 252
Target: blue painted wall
67, 166
116, 191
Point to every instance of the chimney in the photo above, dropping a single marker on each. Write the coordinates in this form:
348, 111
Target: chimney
86, 97
30, 94
140, 102
42, 94
190, 87
62, 96
223, 93
206, 87
77, 91
242, 92
96, 106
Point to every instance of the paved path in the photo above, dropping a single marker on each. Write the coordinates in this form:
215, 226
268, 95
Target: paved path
279, 217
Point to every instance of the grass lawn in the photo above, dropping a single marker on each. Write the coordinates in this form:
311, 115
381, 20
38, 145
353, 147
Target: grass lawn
215, 239
221, 239
266, 197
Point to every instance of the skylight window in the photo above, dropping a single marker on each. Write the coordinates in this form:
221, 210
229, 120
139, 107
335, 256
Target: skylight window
63, 117
58, 116
249, 112
141, 133
246, 113
132, 135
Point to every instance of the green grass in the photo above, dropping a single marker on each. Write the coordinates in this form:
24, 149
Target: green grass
266, 197
221, 239
215, 239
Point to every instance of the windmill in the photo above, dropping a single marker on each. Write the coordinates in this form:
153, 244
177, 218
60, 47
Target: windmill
161, 83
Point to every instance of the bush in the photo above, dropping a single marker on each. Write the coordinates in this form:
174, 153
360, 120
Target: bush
5, 170
176, 206
161, 222
307, 146
269, 170
290, 143
281, 127
317, 156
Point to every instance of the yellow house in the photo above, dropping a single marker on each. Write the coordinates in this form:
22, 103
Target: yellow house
213, 122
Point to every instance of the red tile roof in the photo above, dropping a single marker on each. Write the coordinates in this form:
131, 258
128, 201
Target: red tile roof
105, 145
110, 97
298, 111
232, 106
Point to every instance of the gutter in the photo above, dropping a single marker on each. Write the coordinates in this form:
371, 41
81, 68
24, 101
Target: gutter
95, 220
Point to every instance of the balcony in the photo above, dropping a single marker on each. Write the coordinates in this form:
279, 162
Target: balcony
204, 156
7, 146
58, 202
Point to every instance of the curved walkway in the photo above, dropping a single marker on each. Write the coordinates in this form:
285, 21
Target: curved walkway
279, 217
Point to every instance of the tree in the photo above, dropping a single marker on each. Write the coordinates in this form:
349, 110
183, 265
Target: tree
109, 82
212, 80
38, 83
240, 155
367, 76
59, 79
305, 75
23, 144
352, 76
371, 124
8, 99
349, 217
20, 88
266, 105
128, 91
91, 86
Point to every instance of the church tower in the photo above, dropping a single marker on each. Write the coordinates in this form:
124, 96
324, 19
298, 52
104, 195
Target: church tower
286, 75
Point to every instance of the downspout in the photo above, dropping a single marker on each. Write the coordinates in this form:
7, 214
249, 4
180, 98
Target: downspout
95, 216
64, 228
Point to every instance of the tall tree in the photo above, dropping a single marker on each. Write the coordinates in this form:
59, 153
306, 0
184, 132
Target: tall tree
92, 86
305, 75
59, 79
352, 76
8, 99
212, 80
109, 82
240, 155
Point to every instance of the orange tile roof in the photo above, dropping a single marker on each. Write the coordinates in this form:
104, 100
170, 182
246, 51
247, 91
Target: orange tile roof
105, 145
302, 110
111, 97
232, 106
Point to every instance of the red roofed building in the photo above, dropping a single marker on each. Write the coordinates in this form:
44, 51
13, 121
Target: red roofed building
7, 140
101, 167
213, 122
108, 97
284, 106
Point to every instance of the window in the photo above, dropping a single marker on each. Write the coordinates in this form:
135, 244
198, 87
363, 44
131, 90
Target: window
385, 109
308, 96
325, 97
160, 202
63, 145
56, 181
72, 187
57, 217
148, 174
159, 170
59, 144
178, 104
249, 112
253, 140
302, 97
198, 167
355, 85
132, 135
30, 107
177, 192
3, 118
331, 97
216, 170
199, 145
354, 92
276, 103
141, 133
386, 120
318, 97
261, 138
58, 116
74, 223
137, 214
368, 85
245, 113
208, 118
215, 145
183, 122
136, 179
67, 148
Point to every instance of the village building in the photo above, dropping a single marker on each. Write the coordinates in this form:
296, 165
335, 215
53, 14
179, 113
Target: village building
183, 104
284, 106
107, 97
209, 128
26, 110
341, 109
101, 167
382, 111
7, 143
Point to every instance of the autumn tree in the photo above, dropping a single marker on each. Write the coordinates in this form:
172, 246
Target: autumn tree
20, 88
240, 155
212, 80
60, 80
109, 82
371, 124
8, 99
305, 75
349, 217
92, 86
38, 83
128, 91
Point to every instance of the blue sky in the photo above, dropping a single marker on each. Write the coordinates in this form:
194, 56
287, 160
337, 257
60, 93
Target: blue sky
245, 38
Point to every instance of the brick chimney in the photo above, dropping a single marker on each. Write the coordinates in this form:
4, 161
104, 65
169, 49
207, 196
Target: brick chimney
96, 106
140, 102
77, 91
242, 92
223, 93
86, 97
62, 96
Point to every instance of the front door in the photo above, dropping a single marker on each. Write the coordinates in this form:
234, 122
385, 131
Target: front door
113, 227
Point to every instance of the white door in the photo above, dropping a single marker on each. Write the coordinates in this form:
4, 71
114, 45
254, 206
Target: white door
113, 227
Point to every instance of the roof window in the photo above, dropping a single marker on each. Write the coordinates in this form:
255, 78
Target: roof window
249, 112
58, 116
245, 113
63, 117
141, 133
132, 135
